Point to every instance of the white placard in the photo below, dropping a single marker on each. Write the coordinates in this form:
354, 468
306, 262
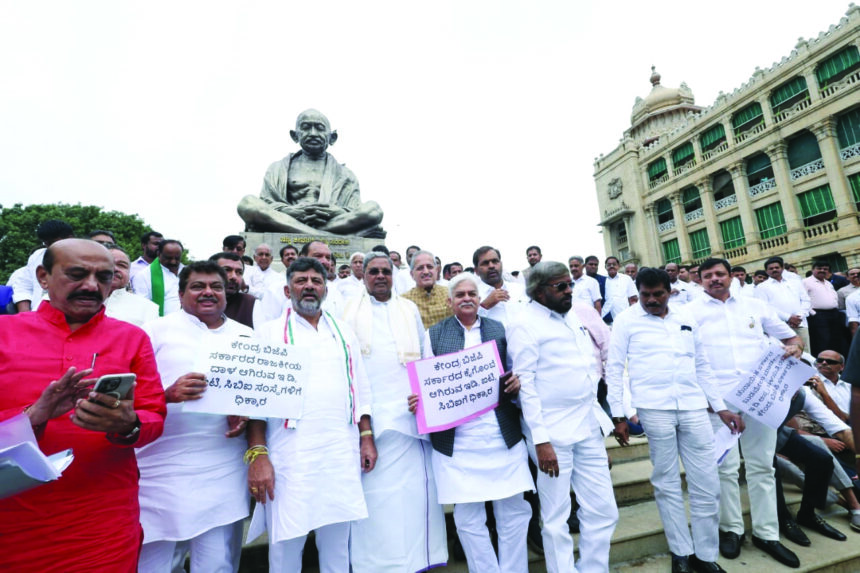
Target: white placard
766, 393
247, 377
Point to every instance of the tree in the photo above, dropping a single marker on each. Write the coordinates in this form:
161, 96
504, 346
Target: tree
18, 229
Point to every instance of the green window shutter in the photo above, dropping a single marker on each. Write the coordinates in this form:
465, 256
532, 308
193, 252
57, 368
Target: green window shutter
816, 202
689, 195
664, 206
848, 128
757, 163
682, 154
733, 233
854, 181
657, 169
839, 62
671, 251
771, 221
787, 91
713, 136
747, 115
700, 243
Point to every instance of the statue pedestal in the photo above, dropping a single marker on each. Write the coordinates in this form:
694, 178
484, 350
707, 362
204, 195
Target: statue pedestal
342, 246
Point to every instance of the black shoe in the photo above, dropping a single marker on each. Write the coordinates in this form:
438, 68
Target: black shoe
791, 531
534, 540
815, 523
730, 544
778, 551
700, 566
573, 523
680, 564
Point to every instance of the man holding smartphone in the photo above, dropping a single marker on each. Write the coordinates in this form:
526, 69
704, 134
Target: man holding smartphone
61, 525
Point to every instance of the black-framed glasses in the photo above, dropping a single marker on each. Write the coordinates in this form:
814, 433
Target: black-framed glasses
562, 286
828, 361
376, 270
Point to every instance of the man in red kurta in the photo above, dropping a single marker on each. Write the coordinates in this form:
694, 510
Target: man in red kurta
87, 520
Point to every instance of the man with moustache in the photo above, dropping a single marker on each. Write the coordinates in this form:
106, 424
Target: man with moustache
406, 527
619, 290
88, 520
500, 299
123, 304
484, 459
262, 277
787, 297
584, 287
734, 331
430, 298
672, 386
353, 284
193, 484
554, 357
161, 283
149, 252
288, 254
309, 479
241, 307
533, 256
679, 292
631, 269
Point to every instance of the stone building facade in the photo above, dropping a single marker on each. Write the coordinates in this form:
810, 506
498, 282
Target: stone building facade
771, 169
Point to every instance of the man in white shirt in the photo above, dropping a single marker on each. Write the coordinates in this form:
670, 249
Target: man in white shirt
733, 331
852, 310
123, 304
533, 256
353, 285
149, 252
553, 355
27, 292
739, 282
262, 277
672, 386
584, 287
405, 530
619, 288
846, 291
500, 299
310, 478
165, 269
787, 297
193, 484
834, 392
679, 291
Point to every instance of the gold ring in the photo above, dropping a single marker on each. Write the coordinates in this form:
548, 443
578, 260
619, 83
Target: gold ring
253, 490
116, 405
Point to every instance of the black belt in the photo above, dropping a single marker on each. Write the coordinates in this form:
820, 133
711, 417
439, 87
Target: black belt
826, 309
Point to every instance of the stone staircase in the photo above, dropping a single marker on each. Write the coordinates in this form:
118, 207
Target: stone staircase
639, 544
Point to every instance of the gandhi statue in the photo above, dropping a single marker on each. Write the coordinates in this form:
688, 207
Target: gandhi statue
309, 191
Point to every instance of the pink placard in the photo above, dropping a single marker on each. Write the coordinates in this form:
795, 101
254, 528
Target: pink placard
455, 388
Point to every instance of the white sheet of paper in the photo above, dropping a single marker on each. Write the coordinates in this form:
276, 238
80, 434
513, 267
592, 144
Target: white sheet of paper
766, 393
724, 441
23, 466
248, 377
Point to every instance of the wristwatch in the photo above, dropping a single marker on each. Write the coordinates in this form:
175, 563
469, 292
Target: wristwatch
129, 437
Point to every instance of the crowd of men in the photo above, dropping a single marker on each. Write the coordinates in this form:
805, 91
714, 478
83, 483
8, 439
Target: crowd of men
585, 356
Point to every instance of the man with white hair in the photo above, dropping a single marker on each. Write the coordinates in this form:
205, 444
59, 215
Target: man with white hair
353, 285
484, 459
554, 356
262, 277
405, 530
430, 298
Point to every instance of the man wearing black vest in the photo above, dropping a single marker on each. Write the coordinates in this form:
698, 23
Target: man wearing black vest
484, 459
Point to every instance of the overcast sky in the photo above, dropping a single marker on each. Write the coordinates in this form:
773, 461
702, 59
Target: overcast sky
469, 122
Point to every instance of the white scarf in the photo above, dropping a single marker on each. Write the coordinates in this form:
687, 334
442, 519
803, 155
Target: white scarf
401, 319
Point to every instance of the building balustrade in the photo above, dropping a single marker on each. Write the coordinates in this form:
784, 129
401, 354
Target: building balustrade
684, 168
725, 202
693, 215
653, 184
735, 253
820, 230
808, 169
667, 226
850, 151
840, 85
796, 108
762, 188
750, 132
774, 243
715, 151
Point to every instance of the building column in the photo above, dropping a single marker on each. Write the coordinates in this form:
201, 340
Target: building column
739, 180
730, 133
706, 193
766, 110
778, 154
846, 212
652, 236
681, 228
811, 84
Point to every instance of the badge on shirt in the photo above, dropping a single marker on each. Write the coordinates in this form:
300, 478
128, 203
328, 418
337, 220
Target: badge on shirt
685, 327
752, 322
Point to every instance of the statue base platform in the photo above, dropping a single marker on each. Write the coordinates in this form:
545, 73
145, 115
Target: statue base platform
342, 246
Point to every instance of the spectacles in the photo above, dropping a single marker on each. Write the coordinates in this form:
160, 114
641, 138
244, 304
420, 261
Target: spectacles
562, 286
828, 361
375, 271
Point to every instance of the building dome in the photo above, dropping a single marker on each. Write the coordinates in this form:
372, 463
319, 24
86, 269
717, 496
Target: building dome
662, 101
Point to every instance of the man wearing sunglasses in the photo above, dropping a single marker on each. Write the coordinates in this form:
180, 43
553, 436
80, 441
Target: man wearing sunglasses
553, 354
834, 392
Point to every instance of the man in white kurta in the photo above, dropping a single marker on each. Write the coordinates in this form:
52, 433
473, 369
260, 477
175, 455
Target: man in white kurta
405, 530
500, 299
553, 354
311, 478
672, 385
484, 459
262, 277
193, 492
735, 332
123, 304
619, 288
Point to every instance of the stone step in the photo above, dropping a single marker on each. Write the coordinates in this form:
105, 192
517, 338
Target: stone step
631, 481
637, 450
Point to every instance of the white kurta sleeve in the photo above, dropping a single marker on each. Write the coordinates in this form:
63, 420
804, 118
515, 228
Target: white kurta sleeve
524, 351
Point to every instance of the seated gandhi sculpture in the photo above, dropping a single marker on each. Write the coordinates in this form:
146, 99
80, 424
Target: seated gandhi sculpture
309, 191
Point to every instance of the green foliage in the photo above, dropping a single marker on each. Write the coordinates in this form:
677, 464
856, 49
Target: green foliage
18, 230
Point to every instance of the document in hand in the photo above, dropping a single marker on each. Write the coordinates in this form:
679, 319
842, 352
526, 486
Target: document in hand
22, 465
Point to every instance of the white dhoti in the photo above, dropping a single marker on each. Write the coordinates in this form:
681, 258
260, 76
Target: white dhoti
482, 469
405, 531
